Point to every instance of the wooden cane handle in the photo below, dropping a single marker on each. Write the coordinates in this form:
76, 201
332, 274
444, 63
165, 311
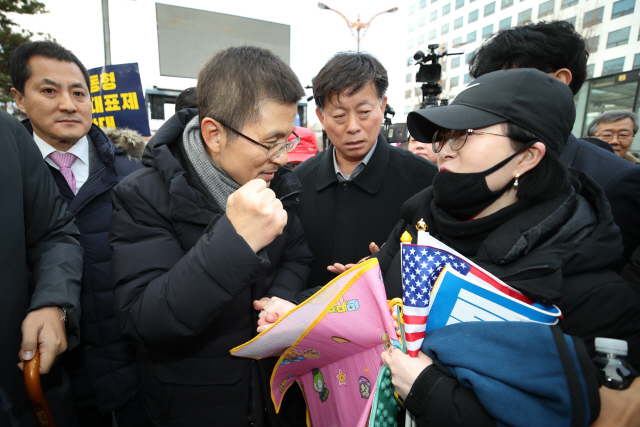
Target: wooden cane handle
34, 391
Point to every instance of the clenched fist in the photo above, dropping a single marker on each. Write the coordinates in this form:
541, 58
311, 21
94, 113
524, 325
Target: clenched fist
256, 214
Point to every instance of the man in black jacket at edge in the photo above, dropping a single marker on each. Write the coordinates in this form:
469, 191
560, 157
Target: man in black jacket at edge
205, 230
558, 50
41, 265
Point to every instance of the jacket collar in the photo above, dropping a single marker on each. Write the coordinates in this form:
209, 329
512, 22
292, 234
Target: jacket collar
371, 177
105, 149
102, 176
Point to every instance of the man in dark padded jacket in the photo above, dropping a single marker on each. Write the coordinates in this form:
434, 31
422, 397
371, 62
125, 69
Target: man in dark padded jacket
208, 227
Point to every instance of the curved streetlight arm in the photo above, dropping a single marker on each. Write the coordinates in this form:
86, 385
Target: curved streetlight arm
366, 26
349, 24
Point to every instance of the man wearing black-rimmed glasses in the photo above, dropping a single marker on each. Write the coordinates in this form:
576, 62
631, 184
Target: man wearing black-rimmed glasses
206, 230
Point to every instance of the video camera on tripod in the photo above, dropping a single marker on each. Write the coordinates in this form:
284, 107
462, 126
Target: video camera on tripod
429, 74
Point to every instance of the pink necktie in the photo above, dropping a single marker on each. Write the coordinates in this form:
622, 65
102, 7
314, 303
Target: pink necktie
64, 162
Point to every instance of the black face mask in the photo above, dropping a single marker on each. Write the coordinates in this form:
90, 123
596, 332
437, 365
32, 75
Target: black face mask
464, 195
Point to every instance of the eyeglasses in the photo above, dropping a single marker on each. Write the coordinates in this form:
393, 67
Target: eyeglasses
456, 138
273, 150
622, 137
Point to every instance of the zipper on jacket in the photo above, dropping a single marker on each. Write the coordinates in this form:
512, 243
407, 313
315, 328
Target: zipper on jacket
536, 267
92, 176
290, 194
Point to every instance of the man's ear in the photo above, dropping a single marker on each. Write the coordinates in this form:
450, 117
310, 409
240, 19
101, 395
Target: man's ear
213, 135
383, 105
564, 75
19, 100
320, 116
532, 157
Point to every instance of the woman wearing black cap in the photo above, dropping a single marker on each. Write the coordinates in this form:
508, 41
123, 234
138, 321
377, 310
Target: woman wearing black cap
503, 199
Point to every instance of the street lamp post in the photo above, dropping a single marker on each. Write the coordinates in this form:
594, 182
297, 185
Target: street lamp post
357, 25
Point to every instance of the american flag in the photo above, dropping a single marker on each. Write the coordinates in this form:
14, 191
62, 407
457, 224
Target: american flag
421, 266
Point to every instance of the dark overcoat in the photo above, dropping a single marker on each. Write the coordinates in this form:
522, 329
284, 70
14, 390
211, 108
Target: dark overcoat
620, 180
340, 219
37, 239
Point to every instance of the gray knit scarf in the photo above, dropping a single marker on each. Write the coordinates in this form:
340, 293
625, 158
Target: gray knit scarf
216, 181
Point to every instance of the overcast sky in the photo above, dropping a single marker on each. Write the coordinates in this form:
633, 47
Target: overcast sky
316, 34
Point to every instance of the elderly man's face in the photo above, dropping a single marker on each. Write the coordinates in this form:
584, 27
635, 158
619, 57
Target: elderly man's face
243, 160
353, 122
618, 134
57, 100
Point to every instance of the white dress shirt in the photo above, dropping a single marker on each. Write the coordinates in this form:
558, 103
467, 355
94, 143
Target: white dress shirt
80, 149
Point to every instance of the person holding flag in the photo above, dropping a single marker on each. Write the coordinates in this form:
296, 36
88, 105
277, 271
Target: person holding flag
503, 199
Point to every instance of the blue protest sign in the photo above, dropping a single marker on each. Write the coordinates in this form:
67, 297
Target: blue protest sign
117, 99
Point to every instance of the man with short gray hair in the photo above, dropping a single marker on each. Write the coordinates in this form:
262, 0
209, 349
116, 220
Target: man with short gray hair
617, 128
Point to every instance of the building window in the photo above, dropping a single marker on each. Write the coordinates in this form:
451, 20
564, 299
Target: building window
487, 31
622, 7
506, 3
592, 44
467, 79
457, 41
409, 61
453, 82
457, 23
636, 61
410, 26
444, 29
613, 66
459, 4
618, 38
524, 17
423, 4
410, 44
593, 17
590, 69
545, 9
455, 62
473, 16
444, 64
446, 9
407, 94
433, 16
407, 109
504, 24
567, 3
412, 9
421, 22
571, 21
471, 37
421, 38
432, 34
467, 57
489, 9
409, 77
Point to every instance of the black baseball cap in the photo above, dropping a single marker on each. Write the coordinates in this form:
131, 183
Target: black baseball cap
527, 97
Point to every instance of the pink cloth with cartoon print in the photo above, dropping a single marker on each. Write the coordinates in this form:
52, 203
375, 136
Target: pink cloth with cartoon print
335, 340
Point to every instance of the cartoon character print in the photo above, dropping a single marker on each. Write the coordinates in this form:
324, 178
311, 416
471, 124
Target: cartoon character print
299, 354
284, 382
343, 306
365, 387
319, 385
